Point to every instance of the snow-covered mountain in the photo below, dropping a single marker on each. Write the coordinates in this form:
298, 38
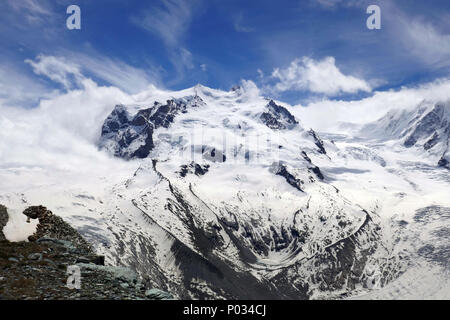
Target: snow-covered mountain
426, 128
227, 195
234, 181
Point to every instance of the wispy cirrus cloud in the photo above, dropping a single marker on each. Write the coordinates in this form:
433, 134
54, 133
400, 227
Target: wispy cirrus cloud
19, 89
238, 23
118, 73
170, 21
57, 69
333, 4
46, 76
33, 11
316, 76
71, 71
328, 3
424, 41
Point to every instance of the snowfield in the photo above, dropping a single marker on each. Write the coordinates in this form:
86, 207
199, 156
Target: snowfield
213, 194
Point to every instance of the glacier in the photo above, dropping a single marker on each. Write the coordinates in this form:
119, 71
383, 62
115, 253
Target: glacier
210, 194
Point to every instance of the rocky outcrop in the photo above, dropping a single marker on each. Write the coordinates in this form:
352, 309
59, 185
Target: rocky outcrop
3, 221
194, 168
40, 269
317, 141
52, 226
315, 169
290, 178
428, 126
277, 117
444, 163
425, 127
131, 136
339, 266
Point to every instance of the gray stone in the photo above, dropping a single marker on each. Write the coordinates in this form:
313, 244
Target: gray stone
49, 262
3, 221
63, 243
82, 259
35, 256
157, 294
125, 285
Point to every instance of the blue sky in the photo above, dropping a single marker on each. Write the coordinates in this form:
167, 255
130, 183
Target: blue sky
293, 50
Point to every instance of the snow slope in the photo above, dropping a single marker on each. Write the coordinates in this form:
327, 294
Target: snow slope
215, 194
425, 128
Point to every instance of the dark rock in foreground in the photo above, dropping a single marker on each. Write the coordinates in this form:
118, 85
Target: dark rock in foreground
40, 269
3, 221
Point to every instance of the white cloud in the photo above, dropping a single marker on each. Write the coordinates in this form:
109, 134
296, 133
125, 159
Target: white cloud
33, 11
321, 77
60, 133
204, 67
239, 25
186, 58
424, 38
57, 69
69, 71
169, 21
260, 73
18, 89
424, 41
56, 142
333, 4
325, 115
118, 73
329, 3
250, 89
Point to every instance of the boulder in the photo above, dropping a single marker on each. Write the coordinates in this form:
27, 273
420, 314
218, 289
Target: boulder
157, 294
35, 256
3, 221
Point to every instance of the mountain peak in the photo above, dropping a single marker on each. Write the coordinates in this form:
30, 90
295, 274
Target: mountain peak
425, 127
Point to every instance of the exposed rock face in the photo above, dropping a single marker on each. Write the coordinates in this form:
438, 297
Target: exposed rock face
213, 155
3, 221
426, 127
131, 136
429, 125
194, 168
318, 141
37, 212
277, 117
444, 163
52, 226
290, 178
317, 172
220, 246
432, 131
341, 265
313, 167
39, 269
236, 88
158, 294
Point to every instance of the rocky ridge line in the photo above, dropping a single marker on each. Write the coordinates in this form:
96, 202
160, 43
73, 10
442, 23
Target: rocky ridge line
38, 269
